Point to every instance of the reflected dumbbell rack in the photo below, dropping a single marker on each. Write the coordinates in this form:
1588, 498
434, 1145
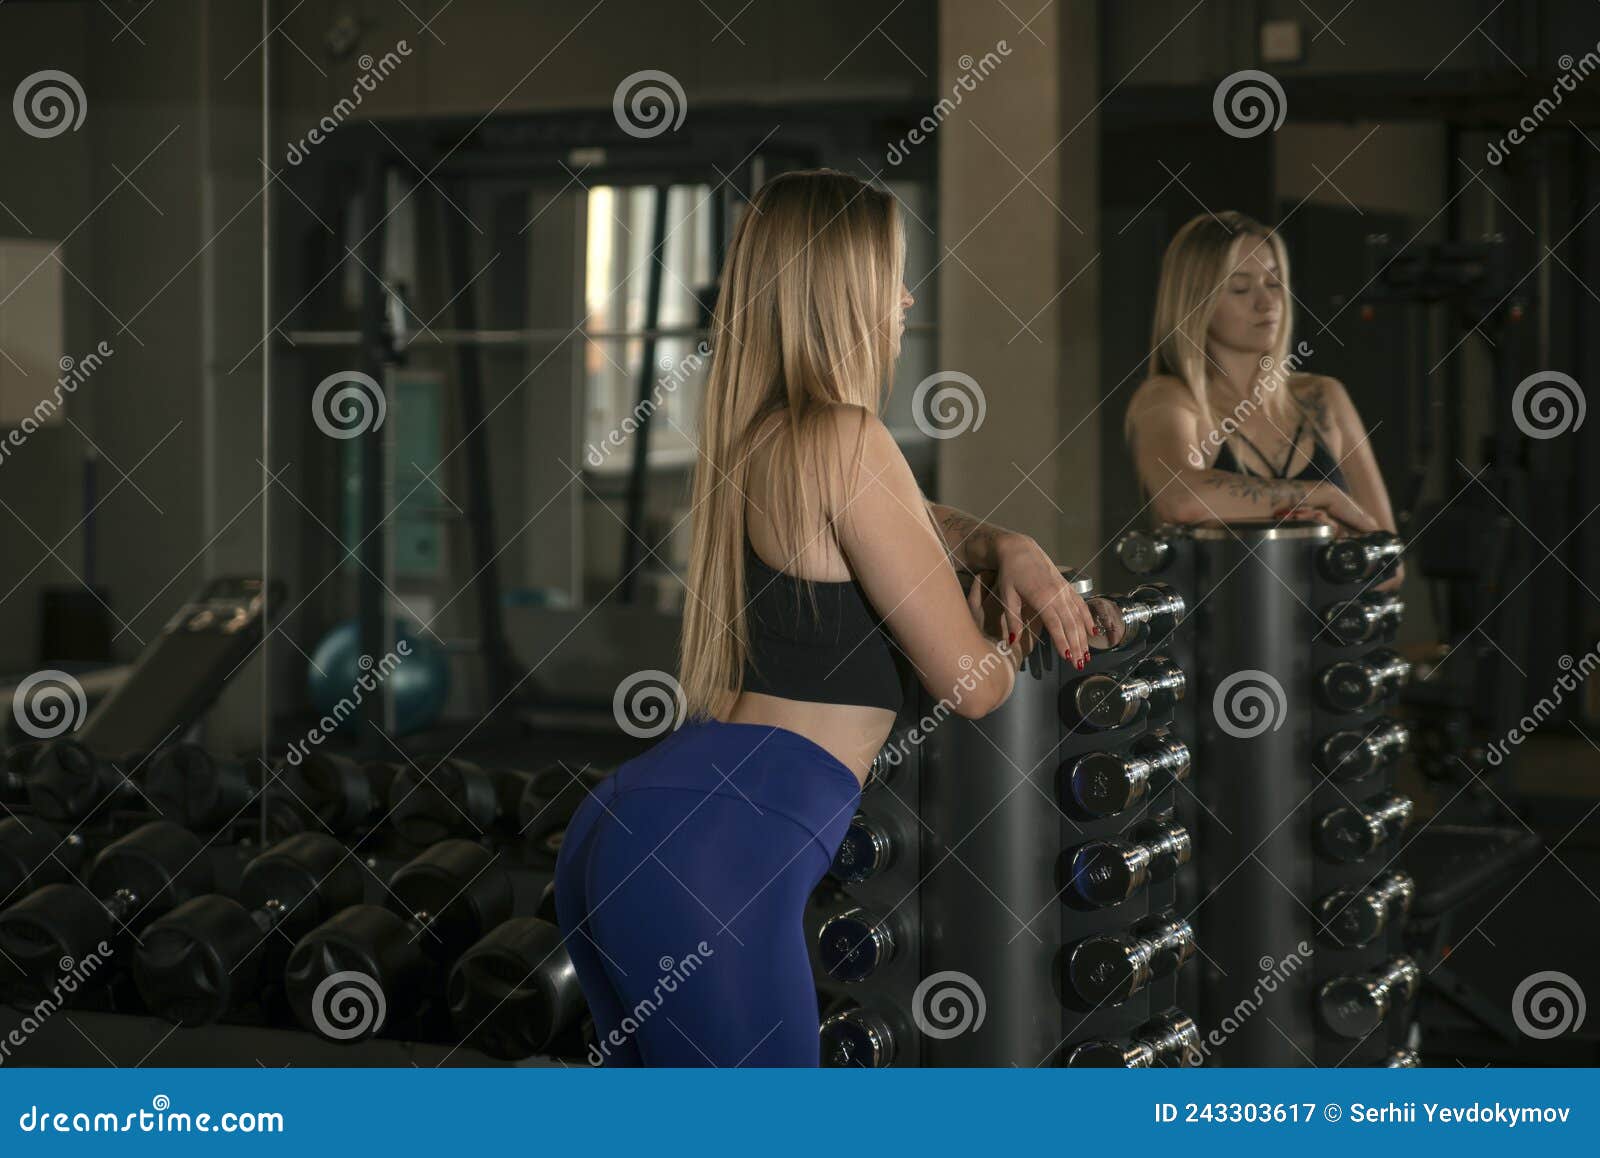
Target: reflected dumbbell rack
1300, 906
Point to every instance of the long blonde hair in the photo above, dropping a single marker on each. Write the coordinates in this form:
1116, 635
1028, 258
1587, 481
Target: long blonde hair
1194, 270
804, 319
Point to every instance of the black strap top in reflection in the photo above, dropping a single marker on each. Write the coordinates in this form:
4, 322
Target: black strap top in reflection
842, 654
1321, 465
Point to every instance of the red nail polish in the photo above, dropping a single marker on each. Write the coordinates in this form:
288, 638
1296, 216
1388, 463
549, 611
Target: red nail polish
1012, 638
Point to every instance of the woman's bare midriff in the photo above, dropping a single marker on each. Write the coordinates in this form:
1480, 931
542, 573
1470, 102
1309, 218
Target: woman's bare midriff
851, 733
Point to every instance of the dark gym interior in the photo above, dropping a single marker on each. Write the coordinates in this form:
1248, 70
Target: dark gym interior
351, 357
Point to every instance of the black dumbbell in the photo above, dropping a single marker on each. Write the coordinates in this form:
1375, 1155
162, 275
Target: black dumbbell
1366, 619
32, 855
1352, 833
1171, 1039
1106, 872
1355, 1006
895, 752
133, 880
515, 991
205, 958
1106, 783
14, 771
328, 794
1356, 753
1109, 968
1360, 557
1112, 699
189, 786
1352, 685
857, 1038
1351, 918
1402, 1059
855, 944
1146, 552
870, 846
1153, 604
68, 782
346, 976
549, 798
453, 799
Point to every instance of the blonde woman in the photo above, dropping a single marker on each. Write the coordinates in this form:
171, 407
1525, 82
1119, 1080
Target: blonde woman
682, 881
1228, 426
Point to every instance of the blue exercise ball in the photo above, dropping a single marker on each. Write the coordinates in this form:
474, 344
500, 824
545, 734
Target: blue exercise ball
419, 679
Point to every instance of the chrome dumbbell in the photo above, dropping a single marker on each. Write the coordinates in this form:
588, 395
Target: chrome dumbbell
869, 846
1356, 753
854, 944
1110, 968
1352, 622
1171, 1039
1359, 557
1352, 685
1146, 552
1355, 1006
1353, 833
857, 1037
1154, 604
1105, 872
1110, 700
1106, 783
1403, 1059
1351, 918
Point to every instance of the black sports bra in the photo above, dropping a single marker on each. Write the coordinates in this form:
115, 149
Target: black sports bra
841, 655
1321, 465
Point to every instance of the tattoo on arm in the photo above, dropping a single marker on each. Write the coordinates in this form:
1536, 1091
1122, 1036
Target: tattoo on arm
965, 538
1275, 491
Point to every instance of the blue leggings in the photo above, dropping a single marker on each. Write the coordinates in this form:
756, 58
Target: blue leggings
681, 886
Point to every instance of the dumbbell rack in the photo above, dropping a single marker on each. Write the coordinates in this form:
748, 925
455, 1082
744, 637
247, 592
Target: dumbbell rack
979, 979
1270, 984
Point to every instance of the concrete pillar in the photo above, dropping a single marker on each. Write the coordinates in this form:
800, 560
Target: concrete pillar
1018, 277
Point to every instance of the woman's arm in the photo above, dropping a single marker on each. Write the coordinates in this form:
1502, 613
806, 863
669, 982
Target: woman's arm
1359, 463
884, 532
1167, 443
1026, 581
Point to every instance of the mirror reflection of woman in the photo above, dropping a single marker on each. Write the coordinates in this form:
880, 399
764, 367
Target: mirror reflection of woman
1229, 425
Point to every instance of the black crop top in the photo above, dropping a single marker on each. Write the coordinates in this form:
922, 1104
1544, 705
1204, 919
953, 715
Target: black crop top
841, 655
1321, 465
